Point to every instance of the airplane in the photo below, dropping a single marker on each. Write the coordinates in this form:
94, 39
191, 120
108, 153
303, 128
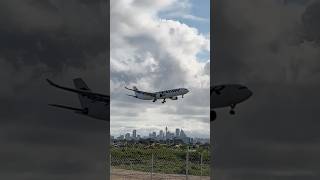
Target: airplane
227, 95
170, 94
92, 104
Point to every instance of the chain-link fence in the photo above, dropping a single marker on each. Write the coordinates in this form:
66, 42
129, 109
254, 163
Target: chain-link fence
160, 162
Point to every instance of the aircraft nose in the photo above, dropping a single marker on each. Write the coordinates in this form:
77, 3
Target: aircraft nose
250, 93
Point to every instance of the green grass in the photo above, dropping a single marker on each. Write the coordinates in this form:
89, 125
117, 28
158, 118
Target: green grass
166, 159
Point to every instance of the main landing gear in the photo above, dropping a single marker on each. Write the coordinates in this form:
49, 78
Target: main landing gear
164, 100
182, 96
232, 112
154, 100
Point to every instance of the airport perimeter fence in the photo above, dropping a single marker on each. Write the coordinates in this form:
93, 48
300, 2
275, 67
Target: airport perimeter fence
159, 162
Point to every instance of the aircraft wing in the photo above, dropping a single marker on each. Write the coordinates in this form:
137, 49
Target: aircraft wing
70, 108
91, 95
142, 92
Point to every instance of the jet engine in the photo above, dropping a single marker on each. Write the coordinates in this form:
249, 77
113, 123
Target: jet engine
174, 98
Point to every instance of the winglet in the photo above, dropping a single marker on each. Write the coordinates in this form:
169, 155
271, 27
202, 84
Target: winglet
129, 88
52, 83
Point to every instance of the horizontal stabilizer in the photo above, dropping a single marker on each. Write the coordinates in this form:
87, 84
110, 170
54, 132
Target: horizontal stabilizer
89, 94
70, 108
130, 89
132, 95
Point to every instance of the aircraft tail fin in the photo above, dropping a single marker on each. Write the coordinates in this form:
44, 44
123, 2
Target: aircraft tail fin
136, 89
81, 85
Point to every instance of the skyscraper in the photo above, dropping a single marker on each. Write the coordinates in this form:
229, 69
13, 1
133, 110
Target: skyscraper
177, 132
134, 134
166, 132
182, 134
154, 135
127, 136
161, 135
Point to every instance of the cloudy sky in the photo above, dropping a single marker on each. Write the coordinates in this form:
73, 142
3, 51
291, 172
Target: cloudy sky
273, 47
159, 45
60, 40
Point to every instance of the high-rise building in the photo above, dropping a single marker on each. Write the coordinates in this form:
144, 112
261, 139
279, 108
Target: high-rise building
154, 135
182, 134
134, 134
121, 137
166, 131
127, 136
161, 135
177, 132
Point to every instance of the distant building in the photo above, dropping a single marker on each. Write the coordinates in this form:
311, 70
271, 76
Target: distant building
161, 135
134, 134
154, 135
182, 134
177, 132
166, 135
121, 137
127, 136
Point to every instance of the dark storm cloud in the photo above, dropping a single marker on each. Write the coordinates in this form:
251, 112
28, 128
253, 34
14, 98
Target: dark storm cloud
55, 33
272, 47
60, 40
310, 19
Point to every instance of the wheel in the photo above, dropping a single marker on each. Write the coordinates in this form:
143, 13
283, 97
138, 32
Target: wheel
213, 115
232, 112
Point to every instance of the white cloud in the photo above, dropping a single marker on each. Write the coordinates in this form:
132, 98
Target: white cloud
156, 54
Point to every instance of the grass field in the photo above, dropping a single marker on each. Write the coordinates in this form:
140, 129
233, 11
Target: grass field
161, 159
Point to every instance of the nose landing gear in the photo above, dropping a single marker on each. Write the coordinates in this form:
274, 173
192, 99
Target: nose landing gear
213, 115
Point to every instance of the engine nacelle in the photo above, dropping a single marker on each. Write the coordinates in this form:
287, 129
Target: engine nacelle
174, 98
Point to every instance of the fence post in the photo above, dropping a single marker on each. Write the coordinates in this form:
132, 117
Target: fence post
187, 162
110, 165
201, 163
151, 166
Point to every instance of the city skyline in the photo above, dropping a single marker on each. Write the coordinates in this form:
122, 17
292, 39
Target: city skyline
172, 131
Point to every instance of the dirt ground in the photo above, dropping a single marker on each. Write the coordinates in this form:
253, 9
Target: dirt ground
121, 174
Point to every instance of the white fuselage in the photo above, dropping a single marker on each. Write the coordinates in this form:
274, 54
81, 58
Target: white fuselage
230, 94
172, 94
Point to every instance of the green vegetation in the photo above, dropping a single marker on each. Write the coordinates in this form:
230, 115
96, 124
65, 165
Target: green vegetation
168, 160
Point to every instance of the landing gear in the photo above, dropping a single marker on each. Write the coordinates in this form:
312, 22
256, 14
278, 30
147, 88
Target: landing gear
232, 112
85, 111
164, 100
213, 115
182, 96
154, 100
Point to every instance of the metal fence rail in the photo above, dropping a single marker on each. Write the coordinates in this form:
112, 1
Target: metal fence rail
136, 162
